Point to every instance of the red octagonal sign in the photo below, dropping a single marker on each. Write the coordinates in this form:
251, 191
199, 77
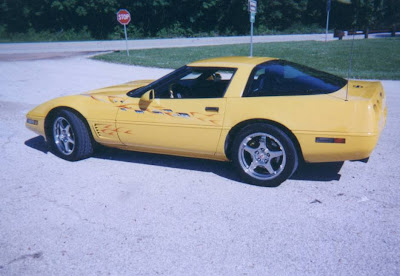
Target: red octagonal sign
123, 17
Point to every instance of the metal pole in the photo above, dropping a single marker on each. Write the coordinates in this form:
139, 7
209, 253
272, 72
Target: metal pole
327, 26
350, 67
126, 40
251, 39
328, 11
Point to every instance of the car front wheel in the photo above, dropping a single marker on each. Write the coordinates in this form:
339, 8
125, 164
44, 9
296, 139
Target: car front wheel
69, 137
264, 155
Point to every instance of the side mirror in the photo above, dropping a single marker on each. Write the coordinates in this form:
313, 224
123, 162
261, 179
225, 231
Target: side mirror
148, 96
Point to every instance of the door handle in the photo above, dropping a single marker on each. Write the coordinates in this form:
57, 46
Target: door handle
213, 109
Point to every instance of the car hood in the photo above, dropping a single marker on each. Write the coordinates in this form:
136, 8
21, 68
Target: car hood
118, 90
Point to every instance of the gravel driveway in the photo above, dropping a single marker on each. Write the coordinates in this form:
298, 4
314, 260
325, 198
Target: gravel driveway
127, 213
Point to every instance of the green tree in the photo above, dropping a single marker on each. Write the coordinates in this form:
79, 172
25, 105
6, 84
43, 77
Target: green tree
281, 14
188, 17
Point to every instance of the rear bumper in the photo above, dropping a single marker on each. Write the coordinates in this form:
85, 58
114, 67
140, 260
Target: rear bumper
355, 147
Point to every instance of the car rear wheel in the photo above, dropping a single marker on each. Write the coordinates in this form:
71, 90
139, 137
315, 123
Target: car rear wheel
264, 155
70, 138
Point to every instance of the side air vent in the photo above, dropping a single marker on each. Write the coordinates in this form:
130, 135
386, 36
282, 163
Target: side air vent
97, 130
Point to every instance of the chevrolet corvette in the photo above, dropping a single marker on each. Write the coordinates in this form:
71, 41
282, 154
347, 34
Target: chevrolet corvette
263, 114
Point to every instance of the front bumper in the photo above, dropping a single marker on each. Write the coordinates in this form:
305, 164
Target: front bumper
36, 124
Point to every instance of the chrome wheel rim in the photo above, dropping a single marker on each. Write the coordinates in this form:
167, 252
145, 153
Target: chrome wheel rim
63, 135
262, 156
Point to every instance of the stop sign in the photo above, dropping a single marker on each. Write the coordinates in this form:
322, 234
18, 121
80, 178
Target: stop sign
123, 17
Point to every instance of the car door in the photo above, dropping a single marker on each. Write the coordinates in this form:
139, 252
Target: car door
177, 121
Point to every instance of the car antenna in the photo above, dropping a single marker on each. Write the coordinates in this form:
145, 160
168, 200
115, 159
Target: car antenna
350, 67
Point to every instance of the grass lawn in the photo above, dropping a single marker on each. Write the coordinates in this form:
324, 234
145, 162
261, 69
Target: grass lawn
372, 58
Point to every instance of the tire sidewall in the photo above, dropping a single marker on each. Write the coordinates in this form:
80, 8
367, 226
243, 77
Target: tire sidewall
288, 147
73, 120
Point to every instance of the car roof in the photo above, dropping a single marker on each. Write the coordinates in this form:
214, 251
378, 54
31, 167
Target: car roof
235, 61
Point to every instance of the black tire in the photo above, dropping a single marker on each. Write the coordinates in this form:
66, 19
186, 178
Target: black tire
269, 166
68, 136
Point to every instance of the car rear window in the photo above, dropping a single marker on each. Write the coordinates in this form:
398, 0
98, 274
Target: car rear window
284, 78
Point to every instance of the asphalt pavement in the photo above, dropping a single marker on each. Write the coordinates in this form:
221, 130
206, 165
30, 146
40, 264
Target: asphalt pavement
129, 213
113, 45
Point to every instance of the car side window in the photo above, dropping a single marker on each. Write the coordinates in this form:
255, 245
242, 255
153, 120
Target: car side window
196, 83
283, 78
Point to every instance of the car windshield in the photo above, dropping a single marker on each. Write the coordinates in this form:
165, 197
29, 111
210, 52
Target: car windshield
284, 78
141, 90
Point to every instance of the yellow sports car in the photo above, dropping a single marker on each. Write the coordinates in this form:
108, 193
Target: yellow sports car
264, 114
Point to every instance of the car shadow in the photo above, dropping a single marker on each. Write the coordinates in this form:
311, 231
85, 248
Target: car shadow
318, 171
37, 143
305, 172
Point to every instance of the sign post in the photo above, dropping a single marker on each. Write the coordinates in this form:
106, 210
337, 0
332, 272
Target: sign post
124, 17
328, 10
252, 10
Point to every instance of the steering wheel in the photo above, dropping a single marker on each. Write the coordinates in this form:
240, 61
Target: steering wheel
216, 77
178, 91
